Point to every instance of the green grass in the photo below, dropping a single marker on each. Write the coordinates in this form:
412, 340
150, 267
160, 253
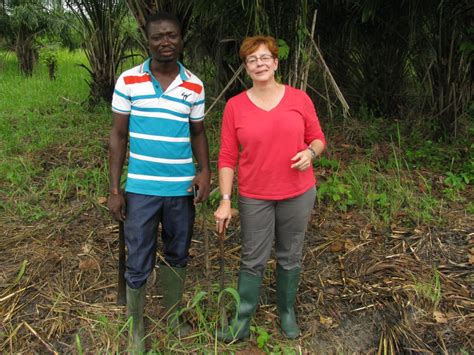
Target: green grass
430, 290
52, 146
382, 195
38, 93
412, 181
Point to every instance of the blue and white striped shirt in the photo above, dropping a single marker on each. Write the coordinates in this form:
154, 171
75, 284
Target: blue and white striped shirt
160, 160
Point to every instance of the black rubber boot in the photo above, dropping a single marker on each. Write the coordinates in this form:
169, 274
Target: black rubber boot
172, 286
249, 291
135, 304
287, 286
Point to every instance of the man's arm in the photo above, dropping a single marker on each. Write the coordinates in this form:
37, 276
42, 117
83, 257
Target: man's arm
200, 148
117, 152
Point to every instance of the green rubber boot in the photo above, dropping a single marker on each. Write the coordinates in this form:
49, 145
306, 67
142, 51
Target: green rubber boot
172, 286
135, 304
286, 288
249, 292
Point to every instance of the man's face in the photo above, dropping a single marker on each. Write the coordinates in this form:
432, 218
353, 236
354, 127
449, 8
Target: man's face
164, 41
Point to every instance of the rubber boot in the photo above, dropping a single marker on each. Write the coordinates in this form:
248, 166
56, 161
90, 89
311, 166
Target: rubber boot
135, 303
286, 288
172, 286
249, 291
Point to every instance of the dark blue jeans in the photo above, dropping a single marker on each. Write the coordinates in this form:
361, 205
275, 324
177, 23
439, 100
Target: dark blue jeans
144, 213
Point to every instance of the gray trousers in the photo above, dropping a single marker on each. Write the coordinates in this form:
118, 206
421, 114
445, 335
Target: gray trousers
284, 221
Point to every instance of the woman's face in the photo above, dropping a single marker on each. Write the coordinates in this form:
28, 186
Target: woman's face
260, 65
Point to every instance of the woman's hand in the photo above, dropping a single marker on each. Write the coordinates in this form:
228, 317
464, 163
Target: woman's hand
223, 215
303, 160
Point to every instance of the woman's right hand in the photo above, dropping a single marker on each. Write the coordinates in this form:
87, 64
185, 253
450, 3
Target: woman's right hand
223, 215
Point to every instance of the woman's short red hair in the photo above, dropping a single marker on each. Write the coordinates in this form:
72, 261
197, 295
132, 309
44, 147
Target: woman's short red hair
251, 44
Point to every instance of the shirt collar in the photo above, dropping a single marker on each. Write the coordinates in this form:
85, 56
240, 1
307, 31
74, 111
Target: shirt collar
182, 70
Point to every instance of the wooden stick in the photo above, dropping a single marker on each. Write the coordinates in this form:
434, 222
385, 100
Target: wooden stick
121, 288
207, 262
40, 339
14, 293
222, 310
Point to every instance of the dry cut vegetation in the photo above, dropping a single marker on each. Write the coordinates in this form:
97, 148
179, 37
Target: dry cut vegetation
364, 289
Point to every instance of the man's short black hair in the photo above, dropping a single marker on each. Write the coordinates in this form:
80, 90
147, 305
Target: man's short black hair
162, 16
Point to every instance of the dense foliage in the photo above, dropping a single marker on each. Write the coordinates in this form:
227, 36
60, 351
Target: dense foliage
396, 60
389, 58
101, 27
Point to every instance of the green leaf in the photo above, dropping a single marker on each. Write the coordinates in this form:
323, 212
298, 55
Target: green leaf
197, 298
283, 49
22, 271
231, 291
80, 351
262, 338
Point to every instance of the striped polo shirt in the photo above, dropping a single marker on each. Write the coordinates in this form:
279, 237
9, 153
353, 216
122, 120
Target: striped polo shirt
161, 159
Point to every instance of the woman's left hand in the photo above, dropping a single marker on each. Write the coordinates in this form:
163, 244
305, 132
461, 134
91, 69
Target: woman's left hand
302, 159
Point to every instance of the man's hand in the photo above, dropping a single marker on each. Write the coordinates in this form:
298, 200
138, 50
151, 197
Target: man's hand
116, 205
203, 182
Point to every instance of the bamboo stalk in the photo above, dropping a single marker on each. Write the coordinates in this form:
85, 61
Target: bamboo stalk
238, 77
340, 96
304, 83
236, 74
328, 97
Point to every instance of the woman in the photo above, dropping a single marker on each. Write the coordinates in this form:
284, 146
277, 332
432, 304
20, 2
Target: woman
272, 133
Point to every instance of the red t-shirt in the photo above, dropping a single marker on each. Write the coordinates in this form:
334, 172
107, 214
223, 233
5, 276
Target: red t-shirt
263, 143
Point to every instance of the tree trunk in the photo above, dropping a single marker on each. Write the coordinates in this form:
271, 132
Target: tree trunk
26, 53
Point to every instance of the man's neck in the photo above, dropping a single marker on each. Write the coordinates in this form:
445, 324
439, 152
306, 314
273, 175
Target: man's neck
164, 68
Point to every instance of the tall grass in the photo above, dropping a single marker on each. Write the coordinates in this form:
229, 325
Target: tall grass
52, 147
20, 93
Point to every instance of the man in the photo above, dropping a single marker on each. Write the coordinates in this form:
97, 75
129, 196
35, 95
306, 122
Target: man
160, 106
